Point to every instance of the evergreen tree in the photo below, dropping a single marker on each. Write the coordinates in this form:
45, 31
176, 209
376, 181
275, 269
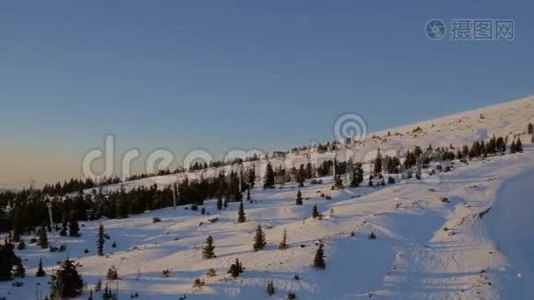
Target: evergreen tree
74, 228
67, 282
235, 269
357, 175
251, 177
219, 203
8, 259
241, 217
518, 145
268, 181
100, 240
64, 228
259, 239
208, 250
301, 176
43, 238
283, 243
315, 212
530, 128
378, 163
40, 271
299, 198
318, 261
270, 288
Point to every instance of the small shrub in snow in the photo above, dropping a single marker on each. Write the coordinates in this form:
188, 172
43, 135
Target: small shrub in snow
270, 288
315, 212
372, 236
298, 201
291, 296
156, 220
166, 273
211, 273
112, 273
236, 269
198, 283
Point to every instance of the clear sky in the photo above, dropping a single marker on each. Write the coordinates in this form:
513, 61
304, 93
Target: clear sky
220, 75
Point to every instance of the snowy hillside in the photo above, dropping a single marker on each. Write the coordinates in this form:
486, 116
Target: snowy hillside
463, 234
508, 119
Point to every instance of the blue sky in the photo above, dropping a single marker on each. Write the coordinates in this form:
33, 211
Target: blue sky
220, 75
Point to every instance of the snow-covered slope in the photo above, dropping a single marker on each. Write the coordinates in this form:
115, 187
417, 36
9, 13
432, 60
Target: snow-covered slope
426, 248
507, 119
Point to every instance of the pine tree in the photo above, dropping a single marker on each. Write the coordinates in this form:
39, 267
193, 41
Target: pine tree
519, 145
378, 163
315, 212
8, 259
208, 250
301, 176
283, 243
299, 198
40, 271
252, 177
357, 176
318, 261
43, 238
268, 181
241, 217
235, 269
219, 203
259, 239
100, 240
74, 228
64, 228
270, 288
67, 282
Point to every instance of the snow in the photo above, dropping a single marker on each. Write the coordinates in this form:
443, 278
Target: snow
425, 248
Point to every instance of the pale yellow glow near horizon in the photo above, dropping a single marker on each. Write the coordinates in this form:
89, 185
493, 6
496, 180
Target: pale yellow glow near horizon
20, 164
